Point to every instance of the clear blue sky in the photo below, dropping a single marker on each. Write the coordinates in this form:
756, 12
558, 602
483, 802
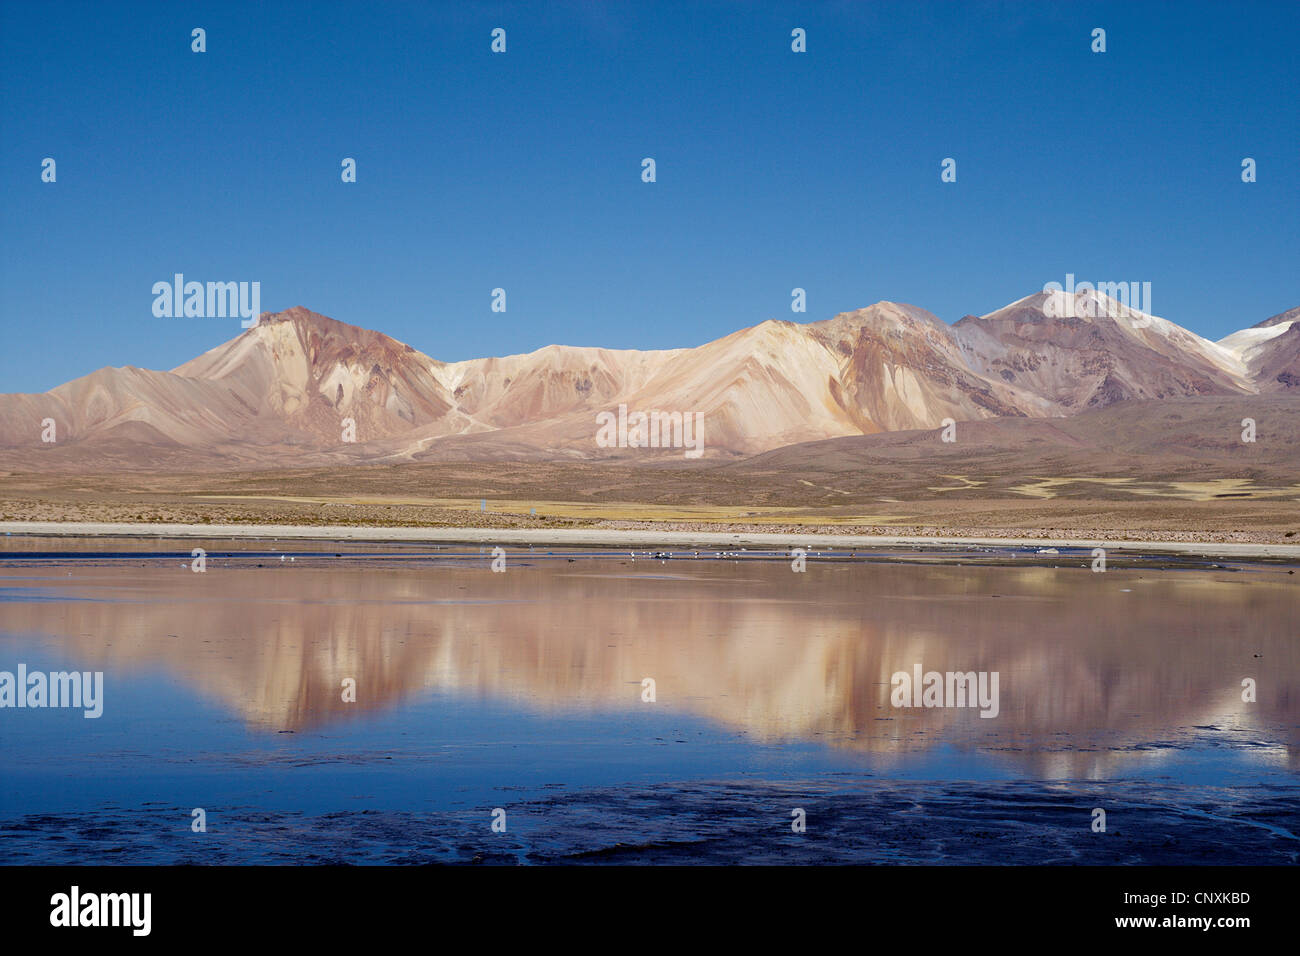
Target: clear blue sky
522, 170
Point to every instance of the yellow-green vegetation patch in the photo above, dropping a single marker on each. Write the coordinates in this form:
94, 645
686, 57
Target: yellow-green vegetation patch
1215, 489
1046, 487
966, 483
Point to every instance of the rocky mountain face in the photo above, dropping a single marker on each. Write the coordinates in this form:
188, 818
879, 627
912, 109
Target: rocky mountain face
1088, 351
1270, 352
302, 387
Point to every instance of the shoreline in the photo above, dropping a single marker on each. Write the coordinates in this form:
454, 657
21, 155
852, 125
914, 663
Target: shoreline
616, 538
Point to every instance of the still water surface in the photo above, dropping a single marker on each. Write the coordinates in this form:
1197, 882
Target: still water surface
523, 690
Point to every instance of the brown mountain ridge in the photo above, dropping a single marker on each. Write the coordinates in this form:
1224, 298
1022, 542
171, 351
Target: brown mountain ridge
300, 388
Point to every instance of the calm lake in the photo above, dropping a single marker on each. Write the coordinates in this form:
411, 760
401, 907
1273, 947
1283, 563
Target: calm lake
334, 703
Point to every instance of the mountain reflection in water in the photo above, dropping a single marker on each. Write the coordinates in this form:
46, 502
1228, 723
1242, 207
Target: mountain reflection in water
1095, 669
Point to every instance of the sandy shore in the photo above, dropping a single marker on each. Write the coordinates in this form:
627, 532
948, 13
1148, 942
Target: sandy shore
607, 538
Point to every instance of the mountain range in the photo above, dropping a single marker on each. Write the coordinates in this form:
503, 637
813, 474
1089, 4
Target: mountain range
287, 391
